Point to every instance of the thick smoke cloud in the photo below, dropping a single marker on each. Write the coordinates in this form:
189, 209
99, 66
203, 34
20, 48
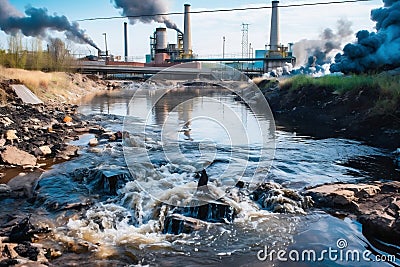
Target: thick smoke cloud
374, 51
37, 21
319, 52
145, 7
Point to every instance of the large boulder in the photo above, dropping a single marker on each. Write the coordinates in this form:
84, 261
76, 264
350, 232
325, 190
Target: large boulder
15, 156
23, 184
376, 206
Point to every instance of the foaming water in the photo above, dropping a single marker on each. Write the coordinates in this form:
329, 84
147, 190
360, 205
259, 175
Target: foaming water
130, 226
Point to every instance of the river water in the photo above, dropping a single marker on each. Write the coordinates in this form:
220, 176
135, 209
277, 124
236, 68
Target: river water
124, 226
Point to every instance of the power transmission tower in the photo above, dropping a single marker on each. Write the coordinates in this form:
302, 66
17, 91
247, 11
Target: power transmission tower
245, 40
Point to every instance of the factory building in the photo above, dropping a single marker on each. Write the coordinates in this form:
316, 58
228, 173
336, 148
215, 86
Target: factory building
164, 54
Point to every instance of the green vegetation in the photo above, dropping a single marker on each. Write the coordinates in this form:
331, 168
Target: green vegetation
30, 55
387, 88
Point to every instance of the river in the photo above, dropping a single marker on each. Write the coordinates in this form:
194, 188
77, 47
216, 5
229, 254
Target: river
123, 227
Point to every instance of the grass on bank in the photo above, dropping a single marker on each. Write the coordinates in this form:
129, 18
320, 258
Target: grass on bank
387, 87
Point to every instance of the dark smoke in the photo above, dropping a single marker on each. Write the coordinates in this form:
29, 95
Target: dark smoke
145, 7
319, 52
374, 51
37, 21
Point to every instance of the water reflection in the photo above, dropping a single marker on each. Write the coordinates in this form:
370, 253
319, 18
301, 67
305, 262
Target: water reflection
299, 161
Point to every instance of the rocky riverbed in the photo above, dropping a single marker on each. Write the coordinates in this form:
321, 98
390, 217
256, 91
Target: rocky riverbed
32, 138
31, 135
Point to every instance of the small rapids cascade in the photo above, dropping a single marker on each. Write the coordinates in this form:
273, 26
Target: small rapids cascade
102, 211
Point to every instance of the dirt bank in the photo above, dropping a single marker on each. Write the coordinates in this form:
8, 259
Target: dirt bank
324, 112
54, 86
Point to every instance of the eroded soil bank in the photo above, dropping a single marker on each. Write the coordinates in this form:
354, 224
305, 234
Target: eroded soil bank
322, 112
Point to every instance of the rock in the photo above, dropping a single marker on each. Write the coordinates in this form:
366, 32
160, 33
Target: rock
93, 142
23, 184
376, 206
45, 150
6, 121
81, 130
96, 130
26, 250
5, 190
275, 198
178, 224
67, 119
21, 232
68, 152
11, 135
52, 253
342, 197
342, 194
15, 156
7, 250
8, 262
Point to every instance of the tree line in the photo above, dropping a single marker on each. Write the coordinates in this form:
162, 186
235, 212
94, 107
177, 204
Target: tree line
31, 55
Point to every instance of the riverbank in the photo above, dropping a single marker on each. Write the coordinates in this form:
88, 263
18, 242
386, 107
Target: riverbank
364, 108
33, 136
32, 139
58, 87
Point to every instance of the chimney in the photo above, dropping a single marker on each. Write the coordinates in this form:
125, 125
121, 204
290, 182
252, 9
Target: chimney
187, 35
126, 40
274, 36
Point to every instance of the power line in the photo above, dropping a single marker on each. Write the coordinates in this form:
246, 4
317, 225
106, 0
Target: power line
225, 10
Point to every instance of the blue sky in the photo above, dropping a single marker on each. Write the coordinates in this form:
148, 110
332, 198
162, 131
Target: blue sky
207, 29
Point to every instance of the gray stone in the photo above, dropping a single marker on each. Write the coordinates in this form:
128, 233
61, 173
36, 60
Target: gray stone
68, 152
5, 190
23, 184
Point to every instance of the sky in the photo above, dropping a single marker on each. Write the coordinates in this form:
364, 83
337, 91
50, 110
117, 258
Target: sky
208, 30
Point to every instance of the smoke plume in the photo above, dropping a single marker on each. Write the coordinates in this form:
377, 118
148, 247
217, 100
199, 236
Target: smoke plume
37, 21
312, 53
147, 7
374, 51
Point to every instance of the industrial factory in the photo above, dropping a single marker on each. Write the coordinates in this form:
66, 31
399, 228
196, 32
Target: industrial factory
164, 54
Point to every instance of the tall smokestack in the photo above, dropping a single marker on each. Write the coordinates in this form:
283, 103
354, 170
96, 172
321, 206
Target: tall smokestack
126, 40
274, 36
187, 35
